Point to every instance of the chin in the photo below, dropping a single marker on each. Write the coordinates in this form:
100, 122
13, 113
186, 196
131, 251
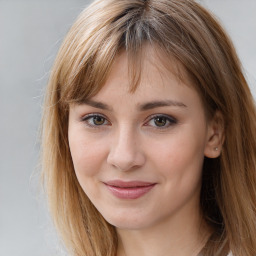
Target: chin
129, 225
129, 221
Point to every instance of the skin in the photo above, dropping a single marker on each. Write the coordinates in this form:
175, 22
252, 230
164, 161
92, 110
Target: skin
164, 145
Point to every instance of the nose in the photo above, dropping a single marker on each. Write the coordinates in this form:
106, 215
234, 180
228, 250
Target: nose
125, 152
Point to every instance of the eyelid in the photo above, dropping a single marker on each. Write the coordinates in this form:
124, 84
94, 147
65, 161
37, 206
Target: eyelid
172, 120
86, 117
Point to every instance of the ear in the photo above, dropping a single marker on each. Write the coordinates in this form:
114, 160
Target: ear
215, 136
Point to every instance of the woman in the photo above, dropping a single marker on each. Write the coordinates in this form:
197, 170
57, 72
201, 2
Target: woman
149, 134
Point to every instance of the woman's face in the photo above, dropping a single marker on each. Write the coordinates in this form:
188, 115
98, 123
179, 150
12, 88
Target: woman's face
138, 156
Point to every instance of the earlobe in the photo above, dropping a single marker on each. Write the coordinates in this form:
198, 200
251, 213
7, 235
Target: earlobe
215, 136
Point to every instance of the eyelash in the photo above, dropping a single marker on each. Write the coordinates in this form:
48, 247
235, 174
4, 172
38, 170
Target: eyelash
170, 121
86, 119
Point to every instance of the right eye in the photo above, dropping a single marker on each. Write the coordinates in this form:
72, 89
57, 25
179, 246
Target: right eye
94, 120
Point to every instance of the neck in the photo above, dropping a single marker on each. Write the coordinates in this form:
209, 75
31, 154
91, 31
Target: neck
177, 236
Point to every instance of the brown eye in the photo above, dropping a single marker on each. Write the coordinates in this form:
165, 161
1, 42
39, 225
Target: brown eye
98, 120
94, 120
160, 121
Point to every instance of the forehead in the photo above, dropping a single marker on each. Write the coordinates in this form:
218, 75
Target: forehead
157, 84
152, 67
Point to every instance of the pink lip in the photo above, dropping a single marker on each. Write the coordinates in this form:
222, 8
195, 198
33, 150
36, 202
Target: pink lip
129, 189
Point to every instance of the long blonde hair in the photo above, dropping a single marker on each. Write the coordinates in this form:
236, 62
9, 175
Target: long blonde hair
188, 33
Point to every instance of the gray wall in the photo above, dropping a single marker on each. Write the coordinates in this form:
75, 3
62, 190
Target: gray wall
30, 34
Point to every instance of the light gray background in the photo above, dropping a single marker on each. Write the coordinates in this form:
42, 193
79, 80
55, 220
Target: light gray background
30, 34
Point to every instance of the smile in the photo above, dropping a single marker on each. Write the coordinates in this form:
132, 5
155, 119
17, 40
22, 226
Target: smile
129, 190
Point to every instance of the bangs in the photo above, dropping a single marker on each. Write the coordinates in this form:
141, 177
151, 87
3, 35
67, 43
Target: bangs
112, 27
89, 52
90, 56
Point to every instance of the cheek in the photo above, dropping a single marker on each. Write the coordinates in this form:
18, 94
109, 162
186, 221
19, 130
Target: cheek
182, 153
87, 156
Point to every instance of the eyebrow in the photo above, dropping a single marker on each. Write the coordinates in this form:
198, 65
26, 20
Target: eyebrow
142, 107
157, 104
96, 104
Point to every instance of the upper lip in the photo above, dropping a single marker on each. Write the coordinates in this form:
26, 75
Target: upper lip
128, 184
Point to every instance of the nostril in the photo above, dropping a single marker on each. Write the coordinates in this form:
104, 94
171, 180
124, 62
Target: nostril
125, 151
126, 160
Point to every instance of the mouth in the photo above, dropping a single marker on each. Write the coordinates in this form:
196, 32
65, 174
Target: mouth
129, 189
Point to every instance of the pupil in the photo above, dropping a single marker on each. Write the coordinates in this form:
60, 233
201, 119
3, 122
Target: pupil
98, 120
160, 121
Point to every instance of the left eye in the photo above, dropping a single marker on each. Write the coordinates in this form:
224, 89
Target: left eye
95, 120
161, 121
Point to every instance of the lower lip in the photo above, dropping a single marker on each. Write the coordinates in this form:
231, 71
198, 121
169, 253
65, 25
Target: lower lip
129, 193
